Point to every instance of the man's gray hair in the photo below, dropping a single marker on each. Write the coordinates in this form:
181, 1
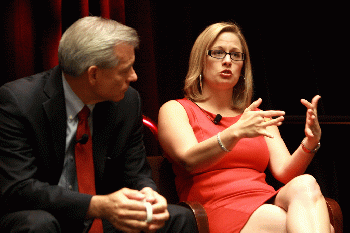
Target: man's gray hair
91, 41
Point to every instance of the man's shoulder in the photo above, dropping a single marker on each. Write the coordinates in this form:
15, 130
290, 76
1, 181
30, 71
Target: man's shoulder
31, 83
29, 91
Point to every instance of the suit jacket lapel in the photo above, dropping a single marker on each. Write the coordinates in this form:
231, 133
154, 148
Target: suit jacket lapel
55, 109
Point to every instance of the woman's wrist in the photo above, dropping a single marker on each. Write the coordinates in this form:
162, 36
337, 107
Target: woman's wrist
234, 132
228, 138
310, 146
221, 144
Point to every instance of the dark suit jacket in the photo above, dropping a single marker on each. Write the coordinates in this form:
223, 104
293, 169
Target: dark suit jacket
32, 147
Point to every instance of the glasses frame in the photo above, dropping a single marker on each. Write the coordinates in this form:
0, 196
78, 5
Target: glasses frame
231, 53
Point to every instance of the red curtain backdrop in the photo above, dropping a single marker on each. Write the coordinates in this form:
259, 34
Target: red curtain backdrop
32, 31
31, 35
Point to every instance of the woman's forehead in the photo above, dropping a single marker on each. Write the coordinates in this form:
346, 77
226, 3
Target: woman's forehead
227, 40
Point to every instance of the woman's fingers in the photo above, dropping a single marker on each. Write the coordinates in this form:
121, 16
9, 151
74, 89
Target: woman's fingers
254, 105
272, 113
312, 127
270, 122
314, 102
256, 122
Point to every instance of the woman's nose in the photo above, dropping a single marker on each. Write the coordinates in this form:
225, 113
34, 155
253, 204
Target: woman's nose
227, 60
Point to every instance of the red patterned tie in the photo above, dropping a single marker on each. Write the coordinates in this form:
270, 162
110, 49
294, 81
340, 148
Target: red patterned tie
84, 162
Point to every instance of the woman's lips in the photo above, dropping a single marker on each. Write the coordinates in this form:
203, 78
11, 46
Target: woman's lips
226, 73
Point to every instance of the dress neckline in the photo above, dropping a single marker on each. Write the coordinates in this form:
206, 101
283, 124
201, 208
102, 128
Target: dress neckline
210, 114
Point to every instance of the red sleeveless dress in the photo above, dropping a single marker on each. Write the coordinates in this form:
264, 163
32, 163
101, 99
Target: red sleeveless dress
233, 188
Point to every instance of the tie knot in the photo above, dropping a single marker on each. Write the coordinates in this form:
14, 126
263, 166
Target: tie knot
84, 113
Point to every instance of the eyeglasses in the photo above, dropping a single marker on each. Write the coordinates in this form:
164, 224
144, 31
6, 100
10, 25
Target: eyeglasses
220, 54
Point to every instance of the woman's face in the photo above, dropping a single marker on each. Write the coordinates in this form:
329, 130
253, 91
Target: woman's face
223, 73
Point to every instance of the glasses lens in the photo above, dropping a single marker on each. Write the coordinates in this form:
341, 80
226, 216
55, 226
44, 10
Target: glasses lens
237, 56
218, 53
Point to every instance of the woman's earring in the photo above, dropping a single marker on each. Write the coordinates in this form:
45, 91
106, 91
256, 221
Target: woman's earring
200, 83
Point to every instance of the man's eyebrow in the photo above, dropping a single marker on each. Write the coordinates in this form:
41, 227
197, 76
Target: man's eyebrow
130, 65
127, 67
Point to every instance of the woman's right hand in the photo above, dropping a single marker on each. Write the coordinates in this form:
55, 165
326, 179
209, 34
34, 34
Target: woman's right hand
253, 123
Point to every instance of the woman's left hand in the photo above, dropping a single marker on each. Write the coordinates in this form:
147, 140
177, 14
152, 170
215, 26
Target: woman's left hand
312, 126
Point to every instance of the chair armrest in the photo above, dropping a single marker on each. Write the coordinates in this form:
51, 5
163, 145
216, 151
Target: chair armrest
200, 215
335, 215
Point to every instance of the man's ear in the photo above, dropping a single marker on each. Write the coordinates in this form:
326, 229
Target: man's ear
92, 74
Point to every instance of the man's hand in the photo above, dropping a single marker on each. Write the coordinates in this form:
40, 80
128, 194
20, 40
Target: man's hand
159, 206
126, 211
123, 209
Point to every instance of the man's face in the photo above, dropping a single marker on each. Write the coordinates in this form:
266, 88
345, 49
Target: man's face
111, 84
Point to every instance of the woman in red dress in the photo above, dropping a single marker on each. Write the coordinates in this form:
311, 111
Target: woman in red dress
220, 159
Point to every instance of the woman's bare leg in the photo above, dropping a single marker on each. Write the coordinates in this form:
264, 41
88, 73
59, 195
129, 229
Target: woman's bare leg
299, 207
267, 219
305, 205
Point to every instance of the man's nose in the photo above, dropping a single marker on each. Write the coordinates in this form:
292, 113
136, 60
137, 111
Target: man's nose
133, 76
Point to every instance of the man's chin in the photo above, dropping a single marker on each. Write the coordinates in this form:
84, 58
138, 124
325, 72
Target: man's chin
118, 98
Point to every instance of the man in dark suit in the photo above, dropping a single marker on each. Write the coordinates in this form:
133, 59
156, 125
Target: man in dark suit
39, 120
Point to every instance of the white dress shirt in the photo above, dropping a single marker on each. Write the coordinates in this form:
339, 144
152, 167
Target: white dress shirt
74, 105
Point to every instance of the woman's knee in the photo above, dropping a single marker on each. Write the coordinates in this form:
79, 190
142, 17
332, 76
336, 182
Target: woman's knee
304, 186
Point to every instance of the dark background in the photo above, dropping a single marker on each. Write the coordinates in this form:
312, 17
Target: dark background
298, 49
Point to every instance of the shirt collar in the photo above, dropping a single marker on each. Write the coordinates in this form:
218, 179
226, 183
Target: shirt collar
73, 103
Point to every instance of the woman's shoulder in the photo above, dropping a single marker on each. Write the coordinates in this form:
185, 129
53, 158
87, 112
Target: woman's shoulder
172, 112
172, 107
171, 104
178, 104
